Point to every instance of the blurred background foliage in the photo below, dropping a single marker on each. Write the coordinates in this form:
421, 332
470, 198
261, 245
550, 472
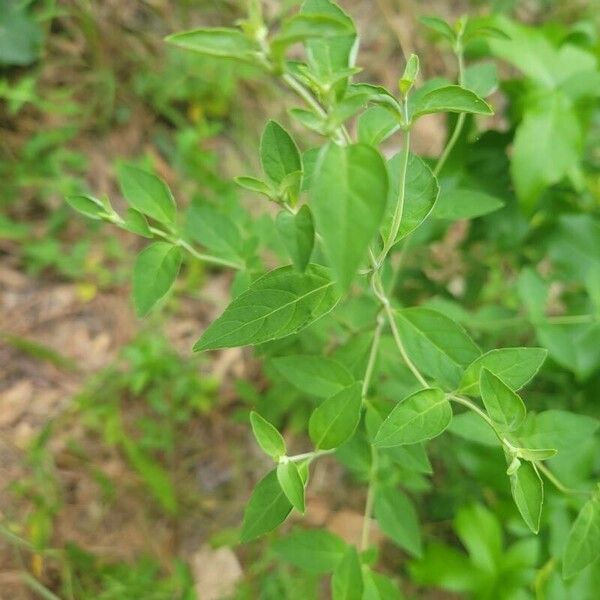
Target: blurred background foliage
124, 460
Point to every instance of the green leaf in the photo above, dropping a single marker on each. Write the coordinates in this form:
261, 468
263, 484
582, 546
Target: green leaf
267, 436
135, 222
21, 37
87, 205
441, 347
348, 199
411, 71
218, 41
154, 273
292, 485
398, 519
315, 550
276, 305
267, 508
440, 26
515, 366
215, 231
420, 196
306, 26
147, 193
254, 185
422, 416
279, 155
326, 376
583, 543
461, 203
481, 534
297, 233
535, 454
481, 78
379, 587
450, 98
375, 125
504, 406
335, 420
154, 476
528, 493
547, 146
346, 583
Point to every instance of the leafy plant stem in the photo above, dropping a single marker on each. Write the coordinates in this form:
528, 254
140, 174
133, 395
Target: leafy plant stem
341, 135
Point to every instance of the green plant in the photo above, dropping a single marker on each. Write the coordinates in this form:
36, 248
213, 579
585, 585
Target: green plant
388, 379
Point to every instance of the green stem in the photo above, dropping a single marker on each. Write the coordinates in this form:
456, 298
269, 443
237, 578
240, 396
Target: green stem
309, 455
473, 407
366, 527
461, 117
295, 85
372, 357
558, 484
208, 258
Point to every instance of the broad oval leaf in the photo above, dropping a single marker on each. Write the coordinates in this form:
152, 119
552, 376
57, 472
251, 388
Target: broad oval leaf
441, 347
147, 193
154, 273
527, 490
314, 550
481, 78
267, 508
450, 98
422, 416
87, 205
316, 375
375, 125
335, 420
276, 305
279, 155
378, 586
347, 583
215, 231
348, 199
267, 436
583, 543
515, 366
297, 233
504, 406
398, 519
135, 222
461, 203
218, 41
307, 26
421, 193
292, 484
440, 26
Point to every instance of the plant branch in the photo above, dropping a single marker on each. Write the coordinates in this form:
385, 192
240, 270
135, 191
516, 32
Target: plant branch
460, 122
208, 258
372, 357
366, 527
558, 484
